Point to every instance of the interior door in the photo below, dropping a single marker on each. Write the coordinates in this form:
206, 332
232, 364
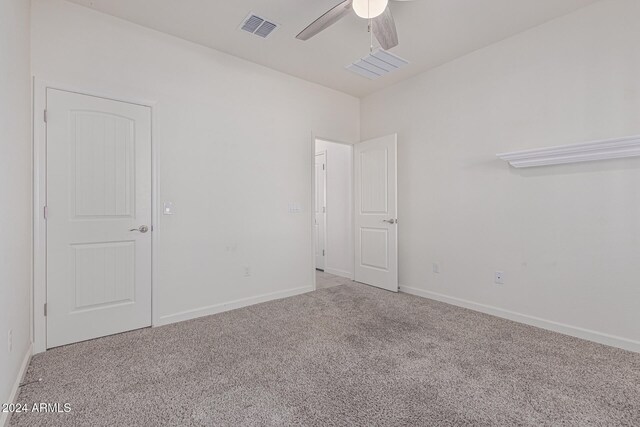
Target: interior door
321, 209
376, 208
98, 217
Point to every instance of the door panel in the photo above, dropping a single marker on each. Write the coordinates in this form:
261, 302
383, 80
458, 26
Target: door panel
376, 212
104, 274
102, 164
374, 191
374, 244
320, 214
98, 189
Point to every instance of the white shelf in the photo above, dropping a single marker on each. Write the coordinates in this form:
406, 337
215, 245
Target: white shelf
573, 153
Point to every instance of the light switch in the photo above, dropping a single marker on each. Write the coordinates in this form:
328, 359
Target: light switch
167, 208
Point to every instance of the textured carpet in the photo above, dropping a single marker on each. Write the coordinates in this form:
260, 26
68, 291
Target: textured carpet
346, 355
325, 280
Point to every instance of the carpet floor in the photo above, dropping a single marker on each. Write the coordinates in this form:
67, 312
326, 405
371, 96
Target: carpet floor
325, 280
345, 355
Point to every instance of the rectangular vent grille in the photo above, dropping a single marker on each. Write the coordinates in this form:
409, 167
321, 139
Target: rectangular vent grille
377, 64
252, 24
258, 26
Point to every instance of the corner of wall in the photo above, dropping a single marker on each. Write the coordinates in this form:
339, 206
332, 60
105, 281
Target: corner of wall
13, 396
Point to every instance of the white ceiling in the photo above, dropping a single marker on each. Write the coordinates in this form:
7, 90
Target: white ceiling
431, 32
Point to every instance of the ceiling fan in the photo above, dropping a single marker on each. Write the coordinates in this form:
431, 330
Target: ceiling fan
377, 11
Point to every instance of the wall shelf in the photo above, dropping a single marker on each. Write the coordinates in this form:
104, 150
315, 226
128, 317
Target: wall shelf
573, 153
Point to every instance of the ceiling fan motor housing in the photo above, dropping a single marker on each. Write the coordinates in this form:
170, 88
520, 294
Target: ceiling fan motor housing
369, 9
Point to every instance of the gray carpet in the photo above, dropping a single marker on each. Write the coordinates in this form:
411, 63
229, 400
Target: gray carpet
325, 280
346, 355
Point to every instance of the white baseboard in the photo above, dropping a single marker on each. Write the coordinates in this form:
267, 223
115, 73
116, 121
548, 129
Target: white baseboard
599, 337
4, 416
231, 305
340, 273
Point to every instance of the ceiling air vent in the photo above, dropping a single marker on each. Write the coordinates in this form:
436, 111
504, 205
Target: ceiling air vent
377, 64
258, 26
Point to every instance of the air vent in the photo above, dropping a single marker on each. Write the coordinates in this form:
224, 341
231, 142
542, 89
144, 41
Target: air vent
258, 26
377, 64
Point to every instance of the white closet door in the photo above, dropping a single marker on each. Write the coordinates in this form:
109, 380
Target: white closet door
376, 208
99, 217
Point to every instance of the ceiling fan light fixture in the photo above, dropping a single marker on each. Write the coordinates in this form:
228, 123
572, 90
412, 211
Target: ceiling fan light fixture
369, 9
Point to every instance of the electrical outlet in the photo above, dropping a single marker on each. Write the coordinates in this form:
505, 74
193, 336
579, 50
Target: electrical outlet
247, 271
436, 267
499, 277
10, 340
294, 207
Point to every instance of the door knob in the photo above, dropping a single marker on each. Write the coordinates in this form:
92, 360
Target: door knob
390, 221
142, 229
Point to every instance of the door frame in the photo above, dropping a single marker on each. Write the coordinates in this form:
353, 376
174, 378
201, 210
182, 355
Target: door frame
39, 289
325, 205
314, 138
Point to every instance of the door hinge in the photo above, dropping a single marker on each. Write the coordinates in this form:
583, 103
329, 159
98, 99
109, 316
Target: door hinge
323, 252
45, 116
45, 211
323, 166
324, 209
45, 308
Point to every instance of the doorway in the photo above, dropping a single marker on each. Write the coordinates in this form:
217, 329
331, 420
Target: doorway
333, 212
98, 217
355, 216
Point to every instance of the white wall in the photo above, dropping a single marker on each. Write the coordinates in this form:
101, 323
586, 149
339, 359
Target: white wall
567, 237
339, 244
234, 143
15, 191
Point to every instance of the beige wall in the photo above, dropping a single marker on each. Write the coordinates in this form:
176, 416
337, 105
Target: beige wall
567, 237
15, 191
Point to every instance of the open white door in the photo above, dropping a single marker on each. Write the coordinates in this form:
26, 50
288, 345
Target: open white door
98, 217
321, 210
376, 210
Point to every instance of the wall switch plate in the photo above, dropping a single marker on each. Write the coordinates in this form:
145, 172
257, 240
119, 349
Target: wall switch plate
436, 267
167, 208
499, 277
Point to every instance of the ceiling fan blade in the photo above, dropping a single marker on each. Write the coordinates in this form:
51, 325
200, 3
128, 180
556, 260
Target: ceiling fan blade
384, 28
326, 20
